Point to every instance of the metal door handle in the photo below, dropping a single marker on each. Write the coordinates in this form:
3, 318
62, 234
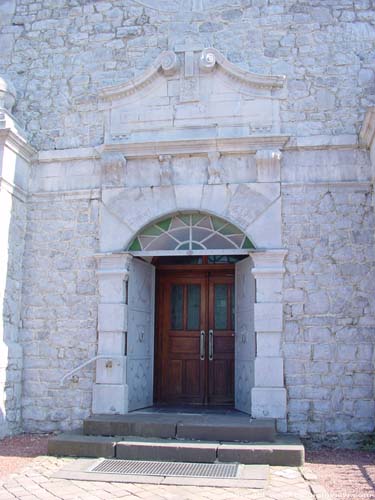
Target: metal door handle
202, 345
210, 345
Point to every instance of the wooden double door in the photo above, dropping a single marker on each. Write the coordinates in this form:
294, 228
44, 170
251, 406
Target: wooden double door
195, 337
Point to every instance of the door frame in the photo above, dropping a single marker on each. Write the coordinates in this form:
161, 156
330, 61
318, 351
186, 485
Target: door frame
180, 271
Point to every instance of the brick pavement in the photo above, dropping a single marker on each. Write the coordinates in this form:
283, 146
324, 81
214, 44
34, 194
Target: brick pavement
34, 482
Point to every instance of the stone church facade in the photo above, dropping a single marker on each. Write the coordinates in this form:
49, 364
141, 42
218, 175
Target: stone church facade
239, 132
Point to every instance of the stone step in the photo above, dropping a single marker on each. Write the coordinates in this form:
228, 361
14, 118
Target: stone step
286, 450
235, 427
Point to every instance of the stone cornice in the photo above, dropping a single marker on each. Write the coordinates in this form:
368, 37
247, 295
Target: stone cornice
12, 189
211, 57
367, 133
17, 143
249, 144
167, 62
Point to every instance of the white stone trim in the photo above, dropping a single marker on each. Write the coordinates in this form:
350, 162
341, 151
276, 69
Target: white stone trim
211, 57
367, 132
269, 395
13, 190
167, 61
110, 393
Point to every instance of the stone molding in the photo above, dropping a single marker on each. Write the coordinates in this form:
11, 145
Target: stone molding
250, 144
167, 62
211, 57
16, 142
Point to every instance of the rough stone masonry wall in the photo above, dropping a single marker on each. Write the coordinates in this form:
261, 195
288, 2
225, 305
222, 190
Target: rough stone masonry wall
329, 309
59, 53
59, 311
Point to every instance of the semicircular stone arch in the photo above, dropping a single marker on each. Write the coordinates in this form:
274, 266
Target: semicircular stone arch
253, 209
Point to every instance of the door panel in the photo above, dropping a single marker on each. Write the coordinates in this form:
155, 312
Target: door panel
221, 340
140, 337
195, 367
182, 305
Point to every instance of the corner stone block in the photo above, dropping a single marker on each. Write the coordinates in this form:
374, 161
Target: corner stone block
112, 288
111, 343
268, 165
111, 370
268, 343
269, 372
112, 317
269, 288
268, 317
268, 402
110, 399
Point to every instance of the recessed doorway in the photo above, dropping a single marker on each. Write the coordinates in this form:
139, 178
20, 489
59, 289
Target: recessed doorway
195, 328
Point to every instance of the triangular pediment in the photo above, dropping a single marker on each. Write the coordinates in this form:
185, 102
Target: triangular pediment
191, 94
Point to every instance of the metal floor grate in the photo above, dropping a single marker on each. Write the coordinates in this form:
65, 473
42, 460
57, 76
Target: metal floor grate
170, 469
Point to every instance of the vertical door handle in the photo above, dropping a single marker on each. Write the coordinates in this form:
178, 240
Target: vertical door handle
210, 345
202, 345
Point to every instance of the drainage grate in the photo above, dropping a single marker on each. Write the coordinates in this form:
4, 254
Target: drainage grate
171, 469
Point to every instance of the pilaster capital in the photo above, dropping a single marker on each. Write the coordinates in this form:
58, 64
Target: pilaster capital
112, 264
268, 261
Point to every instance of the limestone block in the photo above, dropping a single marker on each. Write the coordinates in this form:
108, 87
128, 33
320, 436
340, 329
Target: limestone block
188, 197
268, 165
111, 288
112, 317
269, 371
268, 402
114, 234
108, 398
249, 201
268, 343
137, 207
268, 286
268, 317
111, 370
265, 230
111, 343
215, 198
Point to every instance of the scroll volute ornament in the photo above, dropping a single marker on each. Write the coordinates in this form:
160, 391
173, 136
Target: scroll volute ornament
207, 60
169, 62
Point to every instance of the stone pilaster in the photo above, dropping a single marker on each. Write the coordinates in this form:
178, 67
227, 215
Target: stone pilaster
269, 393
110, 393
15, 158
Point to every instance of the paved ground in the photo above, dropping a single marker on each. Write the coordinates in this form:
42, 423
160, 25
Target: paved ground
34, 482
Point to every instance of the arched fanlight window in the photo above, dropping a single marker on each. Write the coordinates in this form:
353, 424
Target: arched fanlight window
189, 232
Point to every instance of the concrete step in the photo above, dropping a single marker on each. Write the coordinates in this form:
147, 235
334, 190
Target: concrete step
236, 427
78, 445
286, 450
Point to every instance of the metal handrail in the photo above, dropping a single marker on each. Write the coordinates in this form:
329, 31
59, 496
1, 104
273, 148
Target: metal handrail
82, 365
